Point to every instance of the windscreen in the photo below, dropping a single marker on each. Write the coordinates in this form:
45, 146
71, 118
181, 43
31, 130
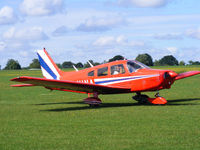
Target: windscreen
135, 65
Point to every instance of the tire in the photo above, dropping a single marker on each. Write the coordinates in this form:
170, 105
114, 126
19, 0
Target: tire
142, 99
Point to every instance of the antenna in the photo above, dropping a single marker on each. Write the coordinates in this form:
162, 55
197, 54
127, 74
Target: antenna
90, 64
75, 68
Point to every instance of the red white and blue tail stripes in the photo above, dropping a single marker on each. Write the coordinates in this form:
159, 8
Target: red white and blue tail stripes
48, 67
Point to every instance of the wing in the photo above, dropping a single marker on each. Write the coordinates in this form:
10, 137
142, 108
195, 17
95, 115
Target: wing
71, 86
187, 74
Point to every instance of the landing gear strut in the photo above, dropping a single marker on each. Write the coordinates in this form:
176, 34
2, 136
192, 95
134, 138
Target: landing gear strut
144, 99
93, 101
157, 94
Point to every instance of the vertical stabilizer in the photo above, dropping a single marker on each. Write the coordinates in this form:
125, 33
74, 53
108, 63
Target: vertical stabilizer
49, 69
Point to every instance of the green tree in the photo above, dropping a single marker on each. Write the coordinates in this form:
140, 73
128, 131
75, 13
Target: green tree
156, 63
67, 64
12, 64
117, 57
145, 59
87, 65
59, 65
79, 65
168, 60
194, 62
96, 63
182, 63
35, 64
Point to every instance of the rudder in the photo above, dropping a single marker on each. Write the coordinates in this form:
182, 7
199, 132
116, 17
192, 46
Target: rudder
49, 69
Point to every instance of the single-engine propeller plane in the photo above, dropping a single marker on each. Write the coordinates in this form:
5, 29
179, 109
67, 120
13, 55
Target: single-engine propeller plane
123, 76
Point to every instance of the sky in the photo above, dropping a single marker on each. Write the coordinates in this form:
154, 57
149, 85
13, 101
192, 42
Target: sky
81, 30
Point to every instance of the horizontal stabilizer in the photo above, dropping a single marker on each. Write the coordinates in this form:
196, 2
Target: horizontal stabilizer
187, 74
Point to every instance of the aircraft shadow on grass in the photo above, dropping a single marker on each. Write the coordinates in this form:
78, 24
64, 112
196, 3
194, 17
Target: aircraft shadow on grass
110, 105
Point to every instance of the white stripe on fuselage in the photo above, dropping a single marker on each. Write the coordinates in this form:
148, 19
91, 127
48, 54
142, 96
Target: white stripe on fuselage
129, 78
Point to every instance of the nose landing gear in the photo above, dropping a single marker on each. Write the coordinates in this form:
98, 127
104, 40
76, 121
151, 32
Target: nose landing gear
144, 99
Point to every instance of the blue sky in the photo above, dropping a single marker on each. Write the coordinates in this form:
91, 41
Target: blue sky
77, 30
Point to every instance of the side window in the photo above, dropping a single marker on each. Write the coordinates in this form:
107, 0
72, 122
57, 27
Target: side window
117, 69
103, 71
91, 73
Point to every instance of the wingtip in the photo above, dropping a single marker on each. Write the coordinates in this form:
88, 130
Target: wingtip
14, 79
187, 74
22, 85
18, 79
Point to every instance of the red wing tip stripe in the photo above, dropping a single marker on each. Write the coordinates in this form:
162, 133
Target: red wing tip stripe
21, 85
21, 79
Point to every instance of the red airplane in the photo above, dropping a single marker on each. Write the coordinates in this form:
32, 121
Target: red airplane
123, 76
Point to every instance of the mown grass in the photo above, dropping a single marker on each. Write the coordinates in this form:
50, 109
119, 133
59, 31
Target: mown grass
35, 118
178, 69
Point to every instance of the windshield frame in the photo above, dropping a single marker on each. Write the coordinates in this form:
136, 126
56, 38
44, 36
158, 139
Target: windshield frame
134, 69
141, 64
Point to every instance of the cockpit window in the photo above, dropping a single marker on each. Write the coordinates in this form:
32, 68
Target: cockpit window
135, 65
117, 69
102, 71
91, 73
132, 66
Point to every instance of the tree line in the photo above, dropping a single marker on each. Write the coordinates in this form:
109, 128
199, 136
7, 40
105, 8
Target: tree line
146, 59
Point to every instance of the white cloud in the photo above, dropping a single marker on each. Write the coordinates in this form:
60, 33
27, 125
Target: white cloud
100, 24
103, 41
189, 53
109, 41
172, 50
137, 44
113, 45
2, 46
162, 19
60, 31
26, 34
41, 7
7, 16
193, 33
169, 36
23, 53
117, 41
143, 3
113, 51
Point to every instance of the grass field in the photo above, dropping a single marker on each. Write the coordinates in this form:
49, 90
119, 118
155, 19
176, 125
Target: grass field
35, 118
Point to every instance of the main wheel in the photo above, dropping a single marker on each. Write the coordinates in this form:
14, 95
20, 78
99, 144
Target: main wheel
142, 99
